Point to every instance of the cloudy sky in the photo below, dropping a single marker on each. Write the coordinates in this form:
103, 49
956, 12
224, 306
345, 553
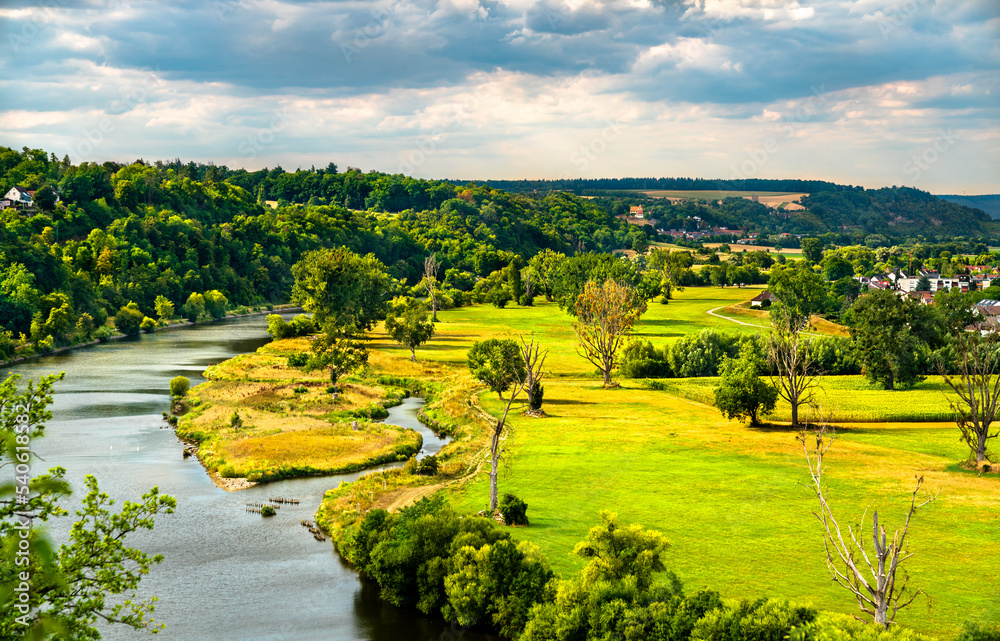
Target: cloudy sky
865, 92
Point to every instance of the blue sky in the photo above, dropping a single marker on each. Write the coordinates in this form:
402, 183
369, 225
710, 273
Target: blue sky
865, 92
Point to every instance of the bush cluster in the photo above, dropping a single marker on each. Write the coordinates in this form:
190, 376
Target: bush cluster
701, 354
471, 572
279, 328
463, 569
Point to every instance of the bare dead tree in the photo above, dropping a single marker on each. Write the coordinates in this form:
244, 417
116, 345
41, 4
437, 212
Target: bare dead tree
977, 386
534, 358
606, 313
790, 357
431, 268
869, 575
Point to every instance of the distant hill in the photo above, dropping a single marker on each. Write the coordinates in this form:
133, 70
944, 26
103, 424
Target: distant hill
589, 186
990, 203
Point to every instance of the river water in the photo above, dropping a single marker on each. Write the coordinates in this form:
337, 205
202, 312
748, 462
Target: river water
227, 574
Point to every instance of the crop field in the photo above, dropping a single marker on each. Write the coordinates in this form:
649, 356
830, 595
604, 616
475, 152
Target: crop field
732, 499
718, 194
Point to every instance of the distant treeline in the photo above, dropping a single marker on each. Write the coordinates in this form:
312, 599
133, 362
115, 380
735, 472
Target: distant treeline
585, 186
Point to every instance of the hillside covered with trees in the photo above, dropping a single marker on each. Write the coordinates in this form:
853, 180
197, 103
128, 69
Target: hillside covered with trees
122, 234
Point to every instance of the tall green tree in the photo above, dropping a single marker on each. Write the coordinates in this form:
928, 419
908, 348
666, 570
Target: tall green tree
343, 291
496, 363
408, 322
891, 334
741, 393
812, 249
216, 304
800, 289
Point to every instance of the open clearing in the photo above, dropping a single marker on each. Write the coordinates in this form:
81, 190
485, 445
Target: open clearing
770, 198
731, 499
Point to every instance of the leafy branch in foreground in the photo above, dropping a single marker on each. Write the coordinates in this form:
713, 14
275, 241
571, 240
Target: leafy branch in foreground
869, 575
63, 593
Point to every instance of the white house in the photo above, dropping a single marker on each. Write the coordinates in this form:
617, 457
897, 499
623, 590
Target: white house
19, 195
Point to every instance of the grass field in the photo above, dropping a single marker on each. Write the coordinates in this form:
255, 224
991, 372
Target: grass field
731, 499
844, 399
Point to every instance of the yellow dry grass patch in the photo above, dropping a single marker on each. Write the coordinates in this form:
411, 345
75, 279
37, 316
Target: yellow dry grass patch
317, 446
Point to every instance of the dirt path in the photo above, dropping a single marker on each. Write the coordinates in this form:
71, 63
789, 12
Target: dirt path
711, 312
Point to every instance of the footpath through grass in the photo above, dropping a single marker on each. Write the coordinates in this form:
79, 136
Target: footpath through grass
731, 499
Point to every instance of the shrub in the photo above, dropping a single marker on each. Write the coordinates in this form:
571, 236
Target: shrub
235, 421
301, 325
300, 390
128, 320
980, 632
513, 510
46, 345
268, 510
641, 360
298, 359
179, 386
85, 325
102, 334
762, 619
147, 325
427, 466
7, 345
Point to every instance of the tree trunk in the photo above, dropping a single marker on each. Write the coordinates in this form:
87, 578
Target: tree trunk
795, 413
495, 461
981, 449
607, 377
413, 354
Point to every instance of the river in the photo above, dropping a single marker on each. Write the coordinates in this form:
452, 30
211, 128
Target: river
227, 574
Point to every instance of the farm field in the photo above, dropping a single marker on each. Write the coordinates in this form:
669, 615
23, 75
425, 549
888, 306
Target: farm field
731, 499
717, 194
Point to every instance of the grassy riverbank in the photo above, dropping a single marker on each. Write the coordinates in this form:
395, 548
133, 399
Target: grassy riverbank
260, 419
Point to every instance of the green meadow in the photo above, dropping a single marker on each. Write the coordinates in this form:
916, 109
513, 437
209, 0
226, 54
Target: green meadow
731, 499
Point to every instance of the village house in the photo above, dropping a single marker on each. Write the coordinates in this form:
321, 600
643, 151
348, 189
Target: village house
19, 196
763, 299
635, 211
